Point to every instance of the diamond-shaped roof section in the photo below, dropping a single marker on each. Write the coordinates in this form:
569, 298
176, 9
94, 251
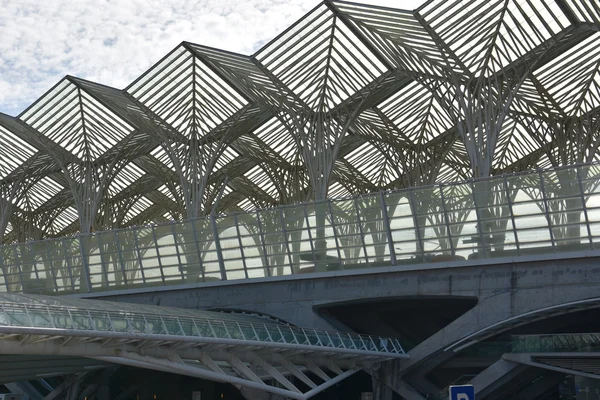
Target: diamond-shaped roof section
416, 113
489, 35
573, 80
14, 152
397, 35
73, 119
321, 60
187, 94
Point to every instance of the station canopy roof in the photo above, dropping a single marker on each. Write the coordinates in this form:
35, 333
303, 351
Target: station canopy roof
384, 98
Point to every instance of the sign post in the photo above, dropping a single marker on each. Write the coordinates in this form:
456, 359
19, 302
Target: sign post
462, 392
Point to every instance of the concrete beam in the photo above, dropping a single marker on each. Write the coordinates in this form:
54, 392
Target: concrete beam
384, 378
495, 376
295, 298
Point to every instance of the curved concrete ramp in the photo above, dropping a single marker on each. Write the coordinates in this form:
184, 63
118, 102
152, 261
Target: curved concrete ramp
243, 350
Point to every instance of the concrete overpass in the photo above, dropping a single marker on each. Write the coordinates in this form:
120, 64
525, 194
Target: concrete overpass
504, 294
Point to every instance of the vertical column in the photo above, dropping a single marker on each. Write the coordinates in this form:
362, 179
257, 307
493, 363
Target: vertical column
33, 266
215, 230
380, 390
286, 239
85, 265
484, 242
50, 263
447, 219
138, 253
414, 210
4, 269
103, 267
192, 222
157, 249
310, 239
546, 208
239, 235
360, 228
512, 214
335, 234
176, 244
68, 263
119, 250
584, 205
388, 230
261, 235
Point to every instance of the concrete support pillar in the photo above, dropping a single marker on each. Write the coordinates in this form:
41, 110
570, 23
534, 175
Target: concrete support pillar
254, 394
382, 390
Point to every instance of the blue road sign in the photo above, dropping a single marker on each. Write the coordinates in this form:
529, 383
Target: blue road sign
462, 392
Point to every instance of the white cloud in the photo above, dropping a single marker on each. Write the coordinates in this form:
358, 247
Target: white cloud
114, 41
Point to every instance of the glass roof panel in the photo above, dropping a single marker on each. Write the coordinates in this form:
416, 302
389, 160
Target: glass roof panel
416, 113
337, 190
514, 143
42, 191
167, 192
489, 35
275, 135
397, 34
187, 94
126, 176
246, 204
243, 71
369, 161
64, 219
586, 10
14, 151
258, 176
141, 205
76, 121
321, 60
573, 79
227, 156
160, 154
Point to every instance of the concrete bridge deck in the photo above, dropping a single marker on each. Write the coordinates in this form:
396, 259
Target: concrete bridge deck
506, 293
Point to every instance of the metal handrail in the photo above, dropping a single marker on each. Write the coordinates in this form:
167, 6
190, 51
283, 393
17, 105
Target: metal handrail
513, 215
571, 342
82, 319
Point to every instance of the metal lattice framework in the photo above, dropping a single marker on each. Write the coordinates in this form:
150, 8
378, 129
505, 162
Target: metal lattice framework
244, 350
350, 99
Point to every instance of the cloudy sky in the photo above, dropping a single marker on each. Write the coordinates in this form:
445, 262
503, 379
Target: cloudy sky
114, 41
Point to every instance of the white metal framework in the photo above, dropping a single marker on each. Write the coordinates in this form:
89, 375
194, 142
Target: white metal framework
351, 99
239, 349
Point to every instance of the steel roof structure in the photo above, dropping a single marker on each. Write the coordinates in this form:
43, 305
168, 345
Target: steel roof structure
350, 99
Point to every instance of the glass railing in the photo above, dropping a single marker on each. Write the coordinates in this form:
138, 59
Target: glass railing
149, 325
556, 343
540, 212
